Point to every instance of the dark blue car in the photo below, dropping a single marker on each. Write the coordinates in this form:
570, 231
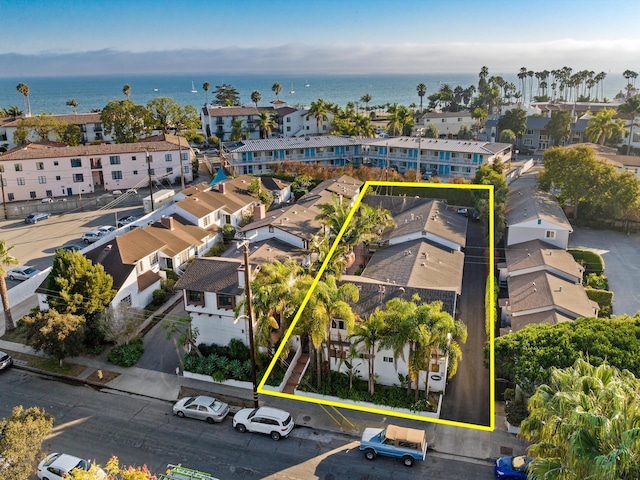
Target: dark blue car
512, 468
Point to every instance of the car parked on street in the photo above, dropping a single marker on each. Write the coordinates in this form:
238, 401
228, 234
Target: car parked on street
201, 407
126, 221
47, 200
271, 421
57, 466
5, 361
106, 229
22, 273
513, 468
92, 236
71, 248
36, 217
409, 444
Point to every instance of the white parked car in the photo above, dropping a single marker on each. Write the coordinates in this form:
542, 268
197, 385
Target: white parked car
58, 465
271, 421
92, 236
22, 273
201, 407
106, 229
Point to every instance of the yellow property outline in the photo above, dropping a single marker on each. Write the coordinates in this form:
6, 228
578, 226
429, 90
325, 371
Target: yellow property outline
382, 411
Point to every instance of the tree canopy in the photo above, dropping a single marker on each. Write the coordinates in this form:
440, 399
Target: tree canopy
168, 116
514, 120
226, 96
59, 335
559, 126
125, 120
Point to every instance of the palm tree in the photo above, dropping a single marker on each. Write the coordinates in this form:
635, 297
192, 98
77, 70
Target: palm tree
370, 333
266, 123
422, 91
126, 90
13, 111
73, 104
630, 107
6, 260
277, 89
630, 75
256, 97
366, 98
602, 126
206, 86
23, 88
362, 127
236, 129
320, 110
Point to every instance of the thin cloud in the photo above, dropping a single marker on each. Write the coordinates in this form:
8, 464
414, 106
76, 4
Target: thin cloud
616, 55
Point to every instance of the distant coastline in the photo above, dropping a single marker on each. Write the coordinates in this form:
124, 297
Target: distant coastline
49, 95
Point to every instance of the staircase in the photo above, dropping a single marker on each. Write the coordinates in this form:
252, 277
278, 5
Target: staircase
296, 374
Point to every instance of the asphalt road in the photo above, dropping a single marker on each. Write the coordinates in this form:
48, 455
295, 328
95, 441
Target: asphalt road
96, 425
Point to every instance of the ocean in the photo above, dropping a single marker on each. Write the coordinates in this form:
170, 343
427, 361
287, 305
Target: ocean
49, 95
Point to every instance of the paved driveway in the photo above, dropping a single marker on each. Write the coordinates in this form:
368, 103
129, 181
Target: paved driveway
621, 254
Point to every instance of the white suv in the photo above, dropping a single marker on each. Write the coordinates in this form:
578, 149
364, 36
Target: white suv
57, 466
271, 421
92, 236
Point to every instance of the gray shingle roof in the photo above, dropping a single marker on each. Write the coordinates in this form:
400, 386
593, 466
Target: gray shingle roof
539, 254
525, 203
212, 275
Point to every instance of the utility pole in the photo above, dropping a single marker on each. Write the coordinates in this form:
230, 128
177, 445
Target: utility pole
248, 303
4, 203
150, 180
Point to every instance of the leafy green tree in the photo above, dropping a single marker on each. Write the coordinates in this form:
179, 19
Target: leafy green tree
559, 127
59, 335
114, 471
507, 136
431, 131
167, 115
465, 133
514, 120
603, 128
70, 134
43, 127
126, 121
488, 175
6, 260
575, 171
21, 440
631, 109
227, 96
583, 424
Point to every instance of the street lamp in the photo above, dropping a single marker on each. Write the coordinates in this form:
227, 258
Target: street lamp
249, 319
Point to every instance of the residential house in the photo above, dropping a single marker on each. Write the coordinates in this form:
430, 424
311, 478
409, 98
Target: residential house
218, 120
532, 214
39, 170
90, 124
447, 123
622, 163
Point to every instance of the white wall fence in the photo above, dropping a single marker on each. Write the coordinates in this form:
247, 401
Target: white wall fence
24, 290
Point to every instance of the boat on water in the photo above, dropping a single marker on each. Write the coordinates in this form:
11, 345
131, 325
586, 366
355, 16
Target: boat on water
193, 88
155, 89
292, 89
307, 84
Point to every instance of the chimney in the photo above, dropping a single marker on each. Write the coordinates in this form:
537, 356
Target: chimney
259, 211
222, 188
167, 222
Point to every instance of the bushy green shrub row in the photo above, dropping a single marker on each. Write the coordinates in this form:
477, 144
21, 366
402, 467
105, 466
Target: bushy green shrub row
127, 355
604, 298
592, 261
599, 282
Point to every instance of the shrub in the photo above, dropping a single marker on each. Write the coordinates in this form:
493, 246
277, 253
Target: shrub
167, 285
599, 282
238, 350
217, 250
171, 275
159, 296
228, 231
516, 410
604, 299
592, 261
127, 355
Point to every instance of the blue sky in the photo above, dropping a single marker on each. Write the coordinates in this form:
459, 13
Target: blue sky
309, 36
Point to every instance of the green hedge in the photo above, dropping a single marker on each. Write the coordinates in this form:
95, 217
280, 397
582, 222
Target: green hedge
604, 299
592, 261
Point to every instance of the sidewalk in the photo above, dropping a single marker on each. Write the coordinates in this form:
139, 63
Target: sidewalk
445, 441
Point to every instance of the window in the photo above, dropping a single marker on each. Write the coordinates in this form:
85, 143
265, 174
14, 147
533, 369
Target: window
444, 120
133, 157
18, 167
11, 197
114, 159
152, 171
42, 179
288, 119
116, 175
126, 300
32, 194
169, 169
78, 178
58, 178
387, 359
339, 324
55, 163
185, 156
195, 298
270, 228
20, 180
206, 221
39, 165
49, 193
226, 302
76, 162
167, 157
550, 234
227, 219
153, 259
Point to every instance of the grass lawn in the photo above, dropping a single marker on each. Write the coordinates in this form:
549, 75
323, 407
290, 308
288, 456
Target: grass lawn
48, 364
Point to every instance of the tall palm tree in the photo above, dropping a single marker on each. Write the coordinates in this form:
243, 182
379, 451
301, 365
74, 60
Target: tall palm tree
366, 98
266, 123
23, 88
277, 89
320, 111
73, 104
370, 333
602, 126
206, 86
6, 260
256, 97
126, 90
362, 127
422, 91
236, 129
632, 108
